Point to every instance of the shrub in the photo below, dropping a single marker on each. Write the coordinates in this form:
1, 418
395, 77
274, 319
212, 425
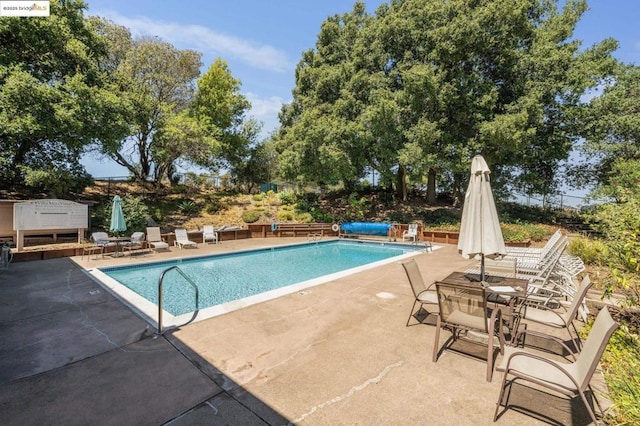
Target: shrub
440, 217
513, 233
285, 215
213, 205
258, 197
251, 216
188, 207
58, 181
136, 214
304, 217
537, 232
590, 251
321, 216
287, 197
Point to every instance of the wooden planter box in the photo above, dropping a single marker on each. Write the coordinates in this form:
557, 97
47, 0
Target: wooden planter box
446, 237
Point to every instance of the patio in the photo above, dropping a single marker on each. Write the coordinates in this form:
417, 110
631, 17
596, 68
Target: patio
338, 353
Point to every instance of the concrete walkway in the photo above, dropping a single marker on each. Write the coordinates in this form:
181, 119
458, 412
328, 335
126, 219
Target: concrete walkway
337, 353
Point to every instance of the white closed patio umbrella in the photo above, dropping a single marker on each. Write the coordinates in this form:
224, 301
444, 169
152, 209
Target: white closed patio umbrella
480, 233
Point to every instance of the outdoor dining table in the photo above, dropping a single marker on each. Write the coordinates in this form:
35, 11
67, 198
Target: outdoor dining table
118, 246
505, 293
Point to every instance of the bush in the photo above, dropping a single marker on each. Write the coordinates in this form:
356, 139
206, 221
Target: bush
285, 215
136, 214
440, 217
188, 207
513, 233
593, 252
58, 181
213, 205
258, 197
537, 232
287, 197
251, 216
321, 216
304, 217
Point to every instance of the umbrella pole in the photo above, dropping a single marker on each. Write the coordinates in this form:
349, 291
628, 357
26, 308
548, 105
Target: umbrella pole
482, 268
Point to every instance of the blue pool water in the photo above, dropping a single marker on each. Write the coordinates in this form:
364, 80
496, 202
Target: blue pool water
227, 277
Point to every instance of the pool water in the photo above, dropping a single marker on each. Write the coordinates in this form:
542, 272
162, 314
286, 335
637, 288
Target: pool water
228, 277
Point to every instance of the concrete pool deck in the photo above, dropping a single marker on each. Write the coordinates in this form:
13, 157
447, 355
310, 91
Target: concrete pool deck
337, 353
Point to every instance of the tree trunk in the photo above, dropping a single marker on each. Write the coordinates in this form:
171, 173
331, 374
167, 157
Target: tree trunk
431, 186
401, 183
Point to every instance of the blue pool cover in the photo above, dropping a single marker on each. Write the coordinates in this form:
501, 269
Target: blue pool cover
366, 228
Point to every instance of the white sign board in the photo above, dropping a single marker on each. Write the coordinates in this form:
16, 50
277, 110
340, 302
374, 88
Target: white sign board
49, 214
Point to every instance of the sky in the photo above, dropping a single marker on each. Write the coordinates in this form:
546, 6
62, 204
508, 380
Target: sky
262, 41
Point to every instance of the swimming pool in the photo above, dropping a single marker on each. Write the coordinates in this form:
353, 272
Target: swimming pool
229, 281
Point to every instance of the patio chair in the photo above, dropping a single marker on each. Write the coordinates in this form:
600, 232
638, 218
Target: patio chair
569, 379
423, 295
559, 320
102, 239
463, 310
411, 233
91, 248
137, 242
209, 234
182, 239
154, 239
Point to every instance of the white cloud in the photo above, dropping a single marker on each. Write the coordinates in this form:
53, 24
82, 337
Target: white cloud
264, 107
205, 40
265, 110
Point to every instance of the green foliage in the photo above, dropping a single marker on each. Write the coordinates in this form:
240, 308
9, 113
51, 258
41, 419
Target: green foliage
399, 217
61, 182
612, 132
287, 207
251, 216
440, 217
188, 207
321, 216
136, 214
418, 88
304, 217
593, 252
258, 197
621, 365
514, 233
355, 207
53, 99
285, 215
213, 205
287, 197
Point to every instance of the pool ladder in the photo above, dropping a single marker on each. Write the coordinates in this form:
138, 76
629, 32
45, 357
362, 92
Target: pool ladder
160, 280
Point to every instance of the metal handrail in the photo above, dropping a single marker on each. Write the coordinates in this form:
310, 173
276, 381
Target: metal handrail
160, 280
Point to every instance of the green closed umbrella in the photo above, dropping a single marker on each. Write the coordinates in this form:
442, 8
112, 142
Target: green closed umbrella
117, 217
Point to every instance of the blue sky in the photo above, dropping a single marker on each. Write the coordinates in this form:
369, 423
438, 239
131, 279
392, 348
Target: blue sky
262, 41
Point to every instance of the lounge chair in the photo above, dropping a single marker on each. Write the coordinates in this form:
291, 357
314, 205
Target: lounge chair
423, 294
182, 239
463, 311
569, 379
209, 234
137, 242
411, 233
154, 239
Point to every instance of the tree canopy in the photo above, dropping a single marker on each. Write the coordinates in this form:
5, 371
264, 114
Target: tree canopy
54, 100
418, 89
